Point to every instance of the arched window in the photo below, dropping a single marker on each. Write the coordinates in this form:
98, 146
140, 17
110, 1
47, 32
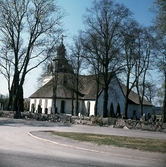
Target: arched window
134, 114
34, 104
32, 108
88, 108
39, 108
40, 102
112, 114
62, 106
118, 111
46, 103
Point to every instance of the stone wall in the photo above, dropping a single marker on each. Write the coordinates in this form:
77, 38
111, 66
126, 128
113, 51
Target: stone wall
39, 117
141, 125
93, 121
7, 114
120, 123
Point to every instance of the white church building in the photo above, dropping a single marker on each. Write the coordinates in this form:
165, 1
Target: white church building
58, 94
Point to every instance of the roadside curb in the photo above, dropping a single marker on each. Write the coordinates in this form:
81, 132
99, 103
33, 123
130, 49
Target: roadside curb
64, 145
96, 151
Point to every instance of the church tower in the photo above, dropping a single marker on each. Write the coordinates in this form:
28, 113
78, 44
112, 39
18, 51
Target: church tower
63, 70
61, 63
60, 69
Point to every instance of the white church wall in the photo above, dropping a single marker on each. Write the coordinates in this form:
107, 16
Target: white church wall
89, 107
132, 107
100, 104
36, 103
68, 105
44, 103
33, 107
47, 106
82, 106
115, 96
147, 109
31, 102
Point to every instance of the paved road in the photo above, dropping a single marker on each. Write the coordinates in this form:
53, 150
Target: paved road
18, 149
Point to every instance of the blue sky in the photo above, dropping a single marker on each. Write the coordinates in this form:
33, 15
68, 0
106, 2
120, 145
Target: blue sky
73, 23
76, 8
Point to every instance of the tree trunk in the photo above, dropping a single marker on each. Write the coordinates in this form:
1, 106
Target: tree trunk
19, 102
97, 91
164, 105
105, 110
141, 107
77, 89
72, 104
12, 94
127, 95
96, 104
126, 106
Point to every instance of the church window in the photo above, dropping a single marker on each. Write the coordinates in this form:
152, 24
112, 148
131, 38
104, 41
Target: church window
118, 111
88, 108
62, 106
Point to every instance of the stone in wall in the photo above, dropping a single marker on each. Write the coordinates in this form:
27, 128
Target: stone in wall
120, 123
148, 126
164, 125
138, 125
105, 121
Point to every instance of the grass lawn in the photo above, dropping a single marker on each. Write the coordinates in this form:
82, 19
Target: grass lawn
151, 145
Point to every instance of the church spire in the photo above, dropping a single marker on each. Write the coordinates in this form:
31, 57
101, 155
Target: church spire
62, 36
61, 51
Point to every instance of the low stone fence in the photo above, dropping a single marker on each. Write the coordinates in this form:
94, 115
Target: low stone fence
121, 123
139, 125
39, 117
7, 114
93, 121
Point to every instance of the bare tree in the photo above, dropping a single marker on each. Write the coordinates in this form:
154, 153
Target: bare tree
137, 47
30, 29
94, 63
160, 59
104, 23
6, 65
159, 9
160, 94
145, 46
130, 37
150, 91
77, 62
160, 25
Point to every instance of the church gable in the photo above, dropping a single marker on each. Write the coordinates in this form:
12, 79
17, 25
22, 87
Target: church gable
133, 97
